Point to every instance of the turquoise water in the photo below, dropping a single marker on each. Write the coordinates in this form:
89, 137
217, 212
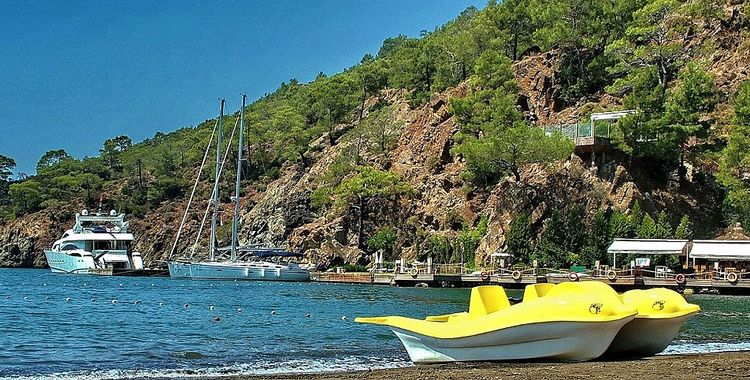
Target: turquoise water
88, 327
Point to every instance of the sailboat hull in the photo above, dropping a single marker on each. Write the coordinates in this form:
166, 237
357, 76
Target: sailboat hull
252, 271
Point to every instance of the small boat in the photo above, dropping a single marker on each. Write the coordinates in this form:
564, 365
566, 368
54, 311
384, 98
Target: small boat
661, 313
250, 262
97, 244
567, 323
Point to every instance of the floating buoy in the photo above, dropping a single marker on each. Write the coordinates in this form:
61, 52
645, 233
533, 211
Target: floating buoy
343, 317
152, 284
307, 315
93, 300
273, 312
216, 318
136, 302
25, 298
120, 284
161, 303
239, 310
67, 299
211, 307
114, 302
187, 306
84, 284
46, 297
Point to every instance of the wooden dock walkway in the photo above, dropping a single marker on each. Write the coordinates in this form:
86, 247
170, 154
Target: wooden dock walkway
723, 283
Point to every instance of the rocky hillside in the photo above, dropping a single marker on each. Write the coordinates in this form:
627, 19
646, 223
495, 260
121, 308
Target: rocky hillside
442, 202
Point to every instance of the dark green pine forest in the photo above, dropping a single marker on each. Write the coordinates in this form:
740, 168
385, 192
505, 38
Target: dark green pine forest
658, 57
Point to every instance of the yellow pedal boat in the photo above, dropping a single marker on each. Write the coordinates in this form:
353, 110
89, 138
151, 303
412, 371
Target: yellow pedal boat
567, 323
661, 313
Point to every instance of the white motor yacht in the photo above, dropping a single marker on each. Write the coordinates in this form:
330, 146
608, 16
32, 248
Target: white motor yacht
97, 244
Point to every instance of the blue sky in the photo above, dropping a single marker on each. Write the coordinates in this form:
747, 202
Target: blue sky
73, 74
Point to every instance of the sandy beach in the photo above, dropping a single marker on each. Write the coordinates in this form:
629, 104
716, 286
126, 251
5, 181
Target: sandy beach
725, 365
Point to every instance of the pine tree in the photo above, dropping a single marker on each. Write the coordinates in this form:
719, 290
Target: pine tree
519, 238
684, 229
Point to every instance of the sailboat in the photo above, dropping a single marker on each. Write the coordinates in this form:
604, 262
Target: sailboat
248, 262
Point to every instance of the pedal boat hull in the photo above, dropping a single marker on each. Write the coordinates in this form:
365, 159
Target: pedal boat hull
564, 325
661, 313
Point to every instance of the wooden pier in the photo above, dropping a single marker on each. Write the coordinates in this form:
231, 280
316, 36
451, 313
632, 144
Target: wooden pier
623, 280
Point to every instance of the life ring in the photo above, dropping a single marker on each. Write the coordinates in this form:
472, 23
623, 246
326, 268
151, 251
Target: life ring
573, 276
485, 276
732, 277
611, 275
680, 279
414, 272
516, 275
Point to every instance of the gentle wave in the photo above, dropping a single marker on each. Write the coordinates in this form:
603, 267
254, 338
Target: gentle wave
306, 366
679, 348
344, 364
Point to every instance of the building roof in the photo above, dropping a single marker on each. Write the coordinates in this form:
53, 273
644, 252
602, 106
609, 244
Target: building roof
98, 236
738, 250
648, 247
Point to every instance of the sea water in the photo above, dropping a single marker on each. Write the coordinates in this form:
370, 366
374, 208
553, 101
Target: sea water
91, 327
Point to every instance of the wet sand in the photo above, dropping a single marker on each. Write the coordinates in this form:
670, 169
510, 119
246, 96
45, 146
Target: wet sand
725, 365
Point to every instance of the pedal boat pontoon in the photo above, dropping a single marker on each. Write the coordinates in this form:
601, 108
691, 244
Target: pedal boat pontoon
661, 313
566, 324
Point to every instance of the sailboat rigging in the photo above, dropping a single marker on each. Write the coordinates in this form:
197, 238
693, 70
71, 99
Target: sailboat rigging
249, 262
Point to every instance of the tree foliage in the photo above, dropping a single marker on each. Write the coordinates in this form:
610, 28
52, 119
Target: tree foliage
635, 49
734, 171
383, 240
6, 171
494, 139
519, 239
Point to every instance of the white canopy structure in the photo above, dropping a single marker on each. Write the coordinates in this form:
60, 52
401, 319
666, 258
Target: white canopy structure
716, 250
647, 247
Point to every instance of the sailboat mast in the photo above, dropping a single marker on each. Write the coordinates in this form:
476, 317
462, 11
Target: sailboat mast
215, 198
235, 220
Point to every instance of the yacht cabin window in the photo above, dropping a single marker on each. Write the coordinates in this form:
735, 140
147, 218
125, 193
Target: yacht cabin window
104, 245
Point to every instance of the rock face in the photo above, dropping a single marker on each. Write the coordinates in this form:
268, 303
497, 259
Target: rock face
22, 241
281, 214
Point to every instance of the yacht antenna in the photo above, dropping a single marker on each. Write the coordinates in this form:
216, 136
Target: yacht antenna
214, 199
235, 220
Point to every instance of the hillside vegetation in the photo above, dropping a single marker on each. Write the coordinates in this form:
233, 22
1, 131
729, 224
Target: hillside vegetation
432, 147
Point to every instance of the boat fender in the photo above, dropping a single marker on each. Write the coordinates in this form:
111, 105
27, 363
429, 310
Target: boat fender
680, 279
485, 276
516, 275
611, 275
414, 272
573, 276
732, 277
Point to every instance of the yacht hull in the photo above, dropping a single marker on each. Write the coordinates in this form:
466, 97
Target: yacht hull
237, 271
63, 263
554, 341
